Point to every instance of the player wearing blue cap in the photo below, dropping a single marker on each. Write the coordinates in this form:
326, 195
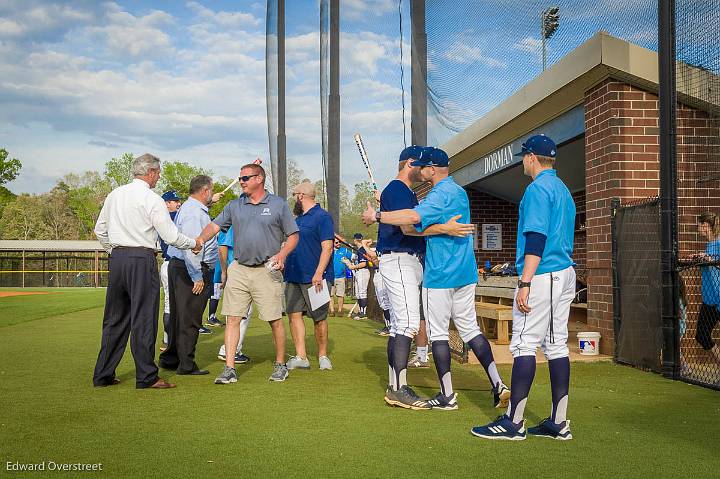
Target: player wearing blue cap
543, 296
172, 201
450, 275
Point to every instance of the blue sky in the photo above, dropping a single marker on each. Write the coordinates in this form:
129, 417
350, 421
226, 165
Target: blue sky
83, 81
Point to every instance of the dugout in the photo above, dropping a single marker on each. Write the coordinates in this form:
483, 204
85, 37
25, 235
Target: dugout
599, 103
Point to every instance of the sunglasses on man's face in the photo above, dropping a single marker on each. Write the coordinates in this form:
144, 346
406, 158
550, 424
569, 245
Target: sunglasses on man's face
245, 178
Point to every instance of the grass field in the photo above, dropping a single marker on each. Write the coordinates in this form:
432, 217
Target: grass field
626, 423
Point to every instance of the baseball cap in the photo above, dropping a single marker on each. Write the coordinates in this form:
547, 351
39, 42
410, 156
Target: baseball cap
432, 157
540, 145
411, 152
170, 195
358, 236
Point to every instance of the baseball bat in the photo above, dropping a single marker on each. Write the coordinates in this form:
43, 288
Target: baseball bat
366, 161
353, 248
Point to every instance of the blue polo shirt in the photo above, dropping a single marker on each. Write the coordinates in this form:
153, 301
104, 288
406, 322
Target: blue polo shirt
449, 260
315, 226
398, 196
338, 265
711, 276
224, 239
547, 208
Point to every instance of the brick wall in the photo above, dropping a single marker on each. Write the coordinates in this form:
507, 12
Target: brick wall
579, 248
622, 160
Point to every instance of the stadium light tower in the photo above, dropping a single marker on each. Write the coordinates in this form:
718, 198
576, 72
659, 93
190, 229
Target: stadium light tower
549, 23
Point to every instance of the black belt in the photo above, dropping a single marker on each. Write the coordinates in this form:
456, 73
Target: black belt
251, 265
136, 248
411, 253
207, 265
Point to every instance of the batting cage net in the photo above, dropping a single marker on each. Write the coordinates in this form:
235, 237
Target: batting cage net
637, 284
697, 52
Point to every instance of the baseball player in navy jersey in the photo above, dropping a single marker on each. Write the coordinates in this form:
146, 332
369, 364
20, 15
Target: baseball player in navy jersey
449, 280
542, 299
360, 269
172, 201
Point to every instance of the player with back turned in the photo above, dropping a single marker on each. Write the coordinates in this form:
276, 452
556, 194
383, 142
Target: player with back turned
543, 296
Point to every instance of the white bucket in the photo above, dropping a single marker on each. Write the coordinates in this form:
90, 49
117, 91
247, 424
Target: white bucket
589, 343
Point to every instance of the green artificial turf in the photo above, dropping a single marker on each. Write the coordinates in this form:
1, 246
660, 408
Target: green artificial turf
626, 423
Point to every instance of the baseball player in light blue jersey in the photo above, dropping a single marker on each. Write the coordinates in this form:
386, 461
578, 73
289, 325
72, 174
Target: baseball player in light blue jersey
450, 275
542, 299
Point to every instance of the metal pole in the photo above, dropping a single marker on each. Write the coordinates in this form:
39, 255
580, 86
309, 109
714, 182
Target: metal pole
281, 139
97, 268
542, 38
418, 59
333, 161
668, 184
23, 268
614, 206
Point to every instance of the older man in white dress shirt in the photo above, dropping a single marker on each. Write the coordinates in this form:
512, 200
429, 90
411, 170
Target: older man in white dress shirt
130, 221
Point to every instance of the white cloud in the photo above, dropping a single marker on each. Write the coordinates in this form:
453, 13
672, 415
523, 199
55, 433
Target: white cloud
224, 19
465, 54
529, 45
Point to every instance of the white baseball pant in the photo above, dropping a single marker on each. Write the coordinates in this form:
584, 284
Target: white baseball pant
545, 326
165, 285
362, 278
402, 275
380, 291
443, 304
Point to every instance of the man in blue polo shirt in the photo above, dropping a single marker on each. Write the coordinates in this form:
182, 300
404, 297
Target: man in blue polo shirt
450, 275
309, 266
340, 256
544, 262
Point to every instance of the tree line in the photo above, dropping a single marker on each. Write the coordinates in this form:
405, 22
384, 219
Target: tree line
70, 209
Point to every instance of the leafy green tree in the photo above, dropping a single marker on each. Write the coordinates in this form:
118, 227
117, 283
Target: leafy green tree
9, 169
23, 218
59, 219
118, 171
85, 195
230, 195
176, 175
350, 221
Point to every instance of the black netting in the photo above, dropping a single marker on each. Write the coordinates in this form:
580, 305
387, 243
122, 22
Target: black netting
271, 86
638, 328
482, 51
697, 48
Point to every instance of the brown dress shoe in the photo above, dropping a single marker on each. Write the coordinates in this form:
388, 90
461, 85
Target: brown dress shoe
161, 384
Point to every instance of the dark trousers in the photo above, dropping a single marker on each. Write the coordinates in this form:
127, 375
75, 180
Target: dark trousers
131, 305
186, 310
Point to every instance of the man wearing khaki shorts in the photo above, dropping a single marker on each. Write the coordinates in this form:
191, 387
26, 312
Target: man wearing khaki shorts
340, 270
265, 233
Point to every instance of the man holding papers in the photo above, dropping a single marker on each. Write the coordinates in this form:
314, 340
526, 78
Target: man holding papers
308, 276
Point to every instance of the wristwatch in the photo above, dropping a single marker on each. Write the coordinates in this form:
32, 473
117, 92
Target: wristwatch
522, 284
377, 216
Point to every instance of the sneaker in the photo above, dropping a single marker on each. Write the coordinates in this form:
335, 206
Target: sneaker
443, 402
415, 362
547, 428
214, 322
325, 363
239, 358
501, 396
227, 376
406, 398
204, 330
296, 362
383, 332
501, 429
280, 372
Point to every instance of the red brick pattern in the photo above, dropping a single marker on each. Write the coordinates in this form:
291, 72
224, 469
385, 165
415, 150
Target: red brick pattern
485, 208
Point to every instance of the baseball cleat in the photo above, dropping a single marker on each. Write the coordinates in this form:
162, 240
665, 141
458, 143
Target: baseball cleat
204, 330
501, 396
227, 376
406, 398
502, 429
547, 428
383, 332
415, 362
214, 322
296, 362
280, 372
442, 402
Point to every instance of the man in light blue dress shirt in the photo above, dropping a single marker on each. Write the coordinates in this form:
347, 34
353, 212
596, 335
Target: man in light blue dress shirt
191, 281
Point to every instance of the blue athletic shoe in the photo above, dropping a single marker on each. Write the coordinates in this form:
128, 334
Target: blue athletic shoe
443, 402
214, 322
204, 330
501, 429
547, 428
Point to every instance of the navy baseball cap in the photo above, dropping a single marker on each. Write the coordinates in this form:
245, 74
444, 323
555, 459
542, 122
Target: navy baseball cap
170, 196
540, 145
358, 236
432, 157
411, 152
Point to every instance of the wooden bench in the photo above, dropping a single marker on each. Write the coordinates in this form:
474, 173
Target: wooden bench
497, 317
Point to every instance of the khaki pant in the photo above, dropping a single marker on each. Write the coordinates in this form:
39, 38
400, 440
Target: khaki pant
256, 285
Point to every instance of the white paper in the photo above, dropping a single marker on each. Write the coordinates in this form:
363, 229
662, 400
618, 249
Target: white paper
320, 299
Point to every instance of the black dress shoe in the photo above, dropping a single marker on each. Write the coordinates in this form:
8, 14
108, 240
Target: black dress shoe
166, 366
194, 372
